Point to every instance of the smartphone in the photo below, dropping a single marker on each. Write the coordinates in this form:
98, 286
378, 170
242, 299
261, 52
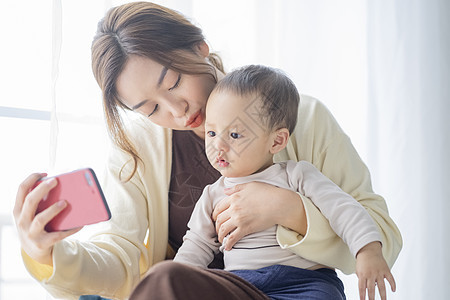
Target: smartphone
86, 203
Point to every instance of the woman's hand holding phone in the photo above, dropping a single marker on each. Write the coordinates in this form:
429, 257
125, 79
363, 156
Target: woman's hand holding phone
250, 207
34, 239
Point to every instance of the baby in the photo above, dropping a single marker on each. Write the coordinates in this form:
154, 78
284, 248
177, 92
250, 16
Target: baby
249, 117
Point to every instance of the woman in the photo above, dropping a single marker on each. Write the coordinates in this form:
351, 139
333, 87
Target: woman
149, 59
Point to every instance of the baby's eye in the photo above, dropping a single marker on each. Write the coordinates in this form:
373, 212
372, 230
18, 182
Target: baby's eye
235, 135
211, 133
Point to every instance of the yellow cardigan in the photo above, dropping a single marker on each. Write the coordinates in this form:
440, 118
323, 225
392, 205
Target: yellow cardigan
112, 262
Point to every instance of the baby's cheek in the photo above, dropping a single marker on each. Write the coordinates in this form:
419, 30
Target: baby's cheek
210, 152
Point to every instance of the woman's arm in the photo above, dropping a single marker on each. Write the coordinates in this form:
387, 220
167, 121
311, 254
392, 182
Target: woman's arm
107, 263
111, 261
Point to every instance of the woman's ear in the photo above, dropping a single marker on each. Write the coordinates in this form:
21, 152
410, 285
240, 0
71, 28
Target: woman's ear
203, 49
280, 139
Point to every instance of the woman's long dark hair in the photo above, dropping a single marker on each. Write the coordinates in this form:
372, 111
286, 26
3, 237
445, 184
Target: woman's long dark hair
148, 30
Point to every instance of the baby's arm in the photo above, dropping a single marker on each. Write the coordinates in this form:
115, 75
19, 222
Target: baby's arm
351, 222
372, 269
200, 242
346, 216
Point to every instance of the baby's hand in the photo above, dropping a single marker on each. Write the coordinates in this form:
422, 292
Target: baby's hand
372, 269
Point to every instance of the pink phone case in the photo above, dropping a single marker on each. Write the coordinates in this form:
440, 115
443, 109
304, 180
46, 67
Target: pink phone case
86, 203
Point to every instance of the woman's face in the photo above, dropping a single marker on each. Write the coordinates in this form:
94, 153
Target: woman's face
168, 98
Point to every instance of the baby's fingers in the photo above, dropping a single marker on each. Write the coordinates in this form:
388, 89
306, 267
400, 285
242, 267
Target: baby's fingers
381, 288
369, 285
362, 285
382, 285
371, 289
391, 281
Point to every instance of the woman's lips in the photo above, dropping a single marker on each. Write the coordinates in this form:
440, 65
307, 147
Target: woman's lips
195, 120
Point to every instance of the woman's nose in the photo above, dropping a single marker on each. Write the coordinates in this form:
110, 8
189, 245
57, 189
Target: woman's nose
178, 108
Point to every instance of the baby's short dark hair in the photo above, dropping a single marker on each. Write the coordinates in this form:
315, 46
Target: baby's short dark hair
278, 94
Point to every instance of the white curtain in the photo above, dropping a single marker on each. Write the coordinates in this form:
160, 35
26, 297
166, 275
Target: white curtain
409, 129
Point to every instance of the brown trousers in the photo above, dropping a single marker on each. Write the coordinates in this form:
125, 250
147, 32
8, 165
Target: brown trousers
169, 280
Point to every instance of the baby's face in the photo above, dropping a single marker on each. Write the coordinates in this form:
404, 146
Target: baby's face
237, 142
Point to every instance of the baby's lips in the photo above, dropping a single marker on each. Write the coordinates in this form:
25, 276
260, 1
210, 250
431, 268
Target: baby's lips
223, 163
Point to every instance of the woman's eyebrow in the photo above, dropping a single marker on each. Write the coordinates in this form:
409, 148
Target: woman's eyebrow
161, 76
139, 104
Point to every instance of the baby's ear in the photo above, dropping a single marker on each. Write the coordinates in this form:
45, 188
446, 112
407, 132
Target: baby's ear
280, 139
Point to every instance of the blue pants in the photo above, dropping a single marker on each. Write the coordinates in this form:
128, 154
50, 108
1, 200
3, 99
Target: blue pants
285, 283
